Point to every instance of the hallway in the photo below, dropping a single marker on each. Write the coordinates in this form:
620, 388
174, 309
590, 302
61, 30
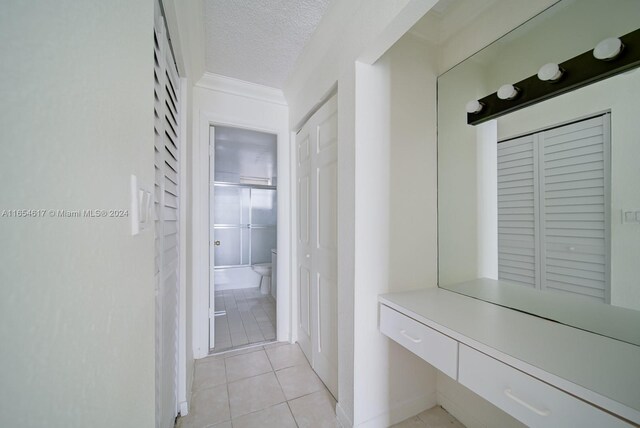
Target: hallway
272, 386
264, 386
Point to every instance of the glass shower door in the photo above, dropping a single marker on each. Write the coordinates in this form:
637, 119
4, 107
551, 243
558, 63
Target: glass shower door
231, 232
245, 225
263, 224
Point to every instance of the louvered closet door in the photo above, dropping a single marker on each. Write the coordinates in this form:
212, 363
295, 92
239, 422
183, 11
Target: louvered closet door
574, 216
517, 205
166, 227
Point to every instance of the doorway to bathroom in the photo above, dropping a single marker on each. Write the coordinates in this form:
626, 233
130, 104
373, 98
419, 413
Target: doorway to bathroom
243, 230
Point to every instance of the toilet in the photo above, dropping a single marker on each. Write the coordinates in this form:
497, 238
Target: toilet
263, 269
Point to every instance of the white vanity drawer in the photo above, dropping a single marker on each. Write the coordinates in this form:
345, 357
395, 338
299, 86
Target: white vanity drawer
526, 398
435, 348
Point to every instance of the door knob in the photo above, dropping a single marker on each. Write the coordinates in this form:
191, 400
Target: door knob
216, 243
308, 255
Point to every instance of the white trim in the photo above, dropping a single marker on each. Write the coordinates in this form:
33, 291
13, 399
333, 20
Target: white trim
211, 135
183, 408
342, 417
229, 85
201, 228
183, 387
293, 243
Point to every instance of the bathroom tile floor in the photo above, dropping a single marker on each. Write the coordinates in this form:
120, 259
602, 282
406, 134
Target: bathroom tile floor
272, 386
250, 318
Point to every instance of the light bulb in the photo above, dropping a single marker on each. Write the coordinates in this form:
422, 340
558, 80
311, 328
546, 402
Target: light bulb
507, 92
474, 106
550, 72
608, 49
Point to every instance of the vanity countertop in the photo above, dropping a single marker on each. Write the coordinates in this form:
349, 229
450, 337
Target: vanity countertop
603, 371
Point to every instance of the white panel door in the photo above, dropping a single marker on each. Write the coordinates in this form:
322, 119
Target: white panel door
166, 198
316, 146
303, 237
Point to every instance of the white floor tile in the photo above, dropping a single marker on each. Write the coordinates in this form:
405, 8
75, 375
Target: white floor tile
254, 393
315, 410
437, 417
208, 373
298, 380
247, 365
286, 356
208, 407
278, 416
414, 422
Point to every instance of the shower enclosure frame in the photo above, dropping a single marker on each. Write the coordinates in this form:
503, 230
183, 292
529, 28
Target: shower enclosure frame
249, 226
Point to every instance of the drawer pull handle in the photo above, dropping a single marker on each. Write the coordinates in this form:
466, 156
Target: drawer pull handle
523, 403
413, 339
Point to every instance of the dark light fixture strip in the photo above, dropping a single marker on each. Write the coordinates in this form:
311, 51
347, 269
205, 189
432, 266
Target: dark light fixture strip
579, 71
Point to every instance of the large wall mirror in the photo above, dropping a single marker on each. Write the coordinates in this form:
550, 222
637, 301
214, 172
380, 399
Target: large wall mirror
539, 209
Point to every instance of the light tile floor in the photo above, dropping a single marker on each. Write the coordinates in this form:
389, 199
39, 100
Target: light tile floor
264, 386
435, 417
250, 318
272, 386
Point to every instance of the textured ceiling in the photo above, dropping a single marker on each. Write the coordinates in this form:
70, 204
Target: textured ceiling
258, 41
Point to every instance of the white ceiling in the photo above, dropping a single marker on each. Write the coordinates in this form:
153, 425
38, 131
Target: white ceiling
258, 41
244, 153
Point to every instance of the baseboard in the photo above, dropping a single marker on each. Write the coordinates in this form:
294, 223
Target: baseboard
184, 408
343, 419
401, 411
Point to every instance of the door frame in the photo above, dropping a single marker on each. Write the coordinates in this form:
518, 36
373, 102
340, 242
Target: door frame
201, 259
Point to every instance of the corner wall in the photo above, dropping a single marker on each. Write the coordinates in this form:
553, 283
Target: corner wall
351, 30
77, 294
395, 230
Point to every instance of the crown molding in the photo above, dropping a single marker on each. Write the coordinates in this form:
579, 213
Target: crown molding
229, 85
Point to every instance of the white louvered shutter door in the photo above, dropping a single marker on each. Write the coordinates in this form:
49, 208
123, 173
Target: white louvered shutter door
166, 227
517, 205
574, 216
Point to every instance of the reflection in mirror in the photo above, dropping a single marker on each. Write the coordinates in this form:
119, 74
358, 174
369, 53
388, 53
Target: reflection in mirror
545, 198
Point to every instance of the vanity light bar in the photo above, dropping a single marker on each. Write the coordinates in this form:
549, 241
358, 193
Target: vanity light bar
576, 72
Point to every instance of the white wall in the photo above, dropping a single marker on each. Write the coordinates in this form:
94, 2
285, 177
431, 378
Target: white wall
222, 101
351, 30
395, 224
77, 294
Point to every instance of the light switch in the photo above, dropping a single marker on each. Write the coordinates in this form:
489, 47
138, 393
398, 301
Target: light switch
140, 206
629, 216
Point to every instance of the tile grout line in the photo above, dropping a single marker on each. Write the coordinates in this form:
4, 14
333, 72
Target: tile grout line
282, 389
228, 393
